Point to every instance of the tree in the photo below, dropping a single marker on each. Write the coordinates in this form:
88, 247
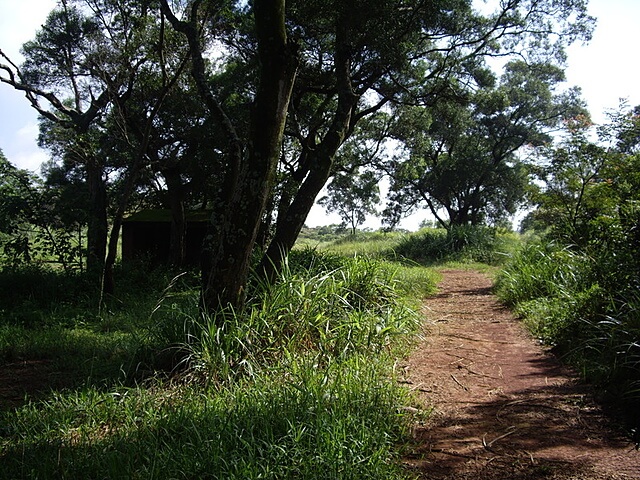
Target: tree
249, 175
352, 196
85, 63
37, 220
354, 191
58, 67
356, 57
588, 202
16, 207
460, 155
589, 192
356, 64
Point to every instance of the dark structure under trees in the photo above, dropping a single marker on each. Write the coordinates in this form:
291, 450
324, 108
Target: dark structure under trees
147, 235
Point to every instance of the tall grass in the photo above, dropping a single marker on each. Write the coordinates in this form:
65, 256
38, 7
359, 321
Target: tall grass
458, 244
356, 308
55, 318
566, 301
299, 384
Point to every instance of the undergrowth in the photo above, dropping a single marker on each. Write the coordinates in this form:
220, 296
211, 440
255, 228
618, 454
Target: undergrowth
299, 384
567, 298
470, 244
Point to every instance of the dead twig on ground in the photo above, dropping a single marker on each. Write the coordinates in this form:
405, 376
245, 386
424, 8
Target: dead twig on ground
458, 382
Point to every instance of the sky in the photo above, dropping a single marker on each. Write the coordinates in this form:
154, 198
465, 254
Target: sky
607, 69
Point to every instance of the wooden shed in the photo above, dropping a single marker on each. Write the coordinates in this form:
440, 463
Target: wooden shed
147, 234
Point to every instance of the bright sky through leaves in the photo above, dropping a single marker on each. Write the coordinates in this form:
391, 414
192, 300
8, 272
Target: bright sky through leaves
607, 70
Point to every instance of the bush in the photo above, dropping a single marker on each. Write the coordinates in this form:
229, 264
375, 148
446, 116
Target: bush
337, 313
464, 244
40, 287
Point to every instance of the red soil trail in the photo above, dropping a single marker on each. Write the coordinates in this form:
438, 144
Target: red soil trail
503, 407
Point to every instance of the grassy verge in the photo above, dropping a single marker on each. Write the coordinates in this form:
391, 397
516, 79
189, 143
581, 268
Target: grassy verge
573, 302
298, 385
339, 421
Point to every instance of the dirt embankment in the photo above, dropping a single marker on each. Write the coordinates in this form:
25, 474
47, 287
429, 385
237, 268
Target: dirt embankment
503, 407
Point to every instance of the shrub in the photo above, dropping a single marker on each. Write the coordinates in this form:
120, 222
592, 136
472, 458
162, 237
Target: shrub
567, 299
353, 309
466, 244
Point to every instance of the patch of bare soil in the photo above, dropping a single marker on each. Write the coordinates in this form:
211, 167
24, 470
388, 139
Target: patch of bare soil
28, 379
503, 406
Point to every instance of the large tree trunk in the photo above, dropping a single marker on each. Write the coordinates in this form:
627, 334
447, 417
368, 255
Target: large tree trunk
228, 248
320, 161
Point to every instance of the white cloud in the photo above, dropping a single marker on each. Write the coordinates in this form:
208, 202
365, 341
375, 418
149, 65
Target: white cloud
24, 151
30, 160
606, 68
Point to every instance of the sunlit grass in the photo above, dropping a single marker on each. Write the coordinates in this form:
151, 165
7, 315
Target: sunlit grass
299, 384
363, 243
303, 418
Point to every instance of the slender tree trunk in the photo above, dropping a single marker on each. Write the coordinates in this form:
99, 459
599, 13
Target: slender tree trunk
175, 191
290, 224
321, 161
97, 228
108, 281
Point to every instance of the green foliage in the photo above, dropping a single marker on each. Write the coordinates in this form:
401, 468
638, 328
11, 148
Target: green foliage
353, 196
338, 421
321, 235
335, 313
541, 270
568, 299
578, 289
55, 317
314, 261
35, 225
463, 244
459, 156
39, 287
364, 243
299, 383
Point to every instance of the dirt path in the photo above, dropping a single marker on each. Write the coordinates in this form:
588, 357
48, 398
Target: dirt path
503, 408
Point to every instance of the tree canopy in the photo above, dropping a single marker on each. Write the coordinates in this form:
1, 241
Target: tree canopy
459, 157
243, 108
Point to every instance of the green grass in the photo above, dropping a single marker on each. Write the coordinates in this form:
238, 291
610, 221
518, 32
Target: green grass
299, 384
565, 297
459, 245
340, 421
364, 243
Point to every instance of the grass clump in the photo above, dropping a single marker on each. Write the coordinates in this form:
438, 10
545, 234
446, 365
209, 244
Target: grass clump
355, 308
63, 325
467, 244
